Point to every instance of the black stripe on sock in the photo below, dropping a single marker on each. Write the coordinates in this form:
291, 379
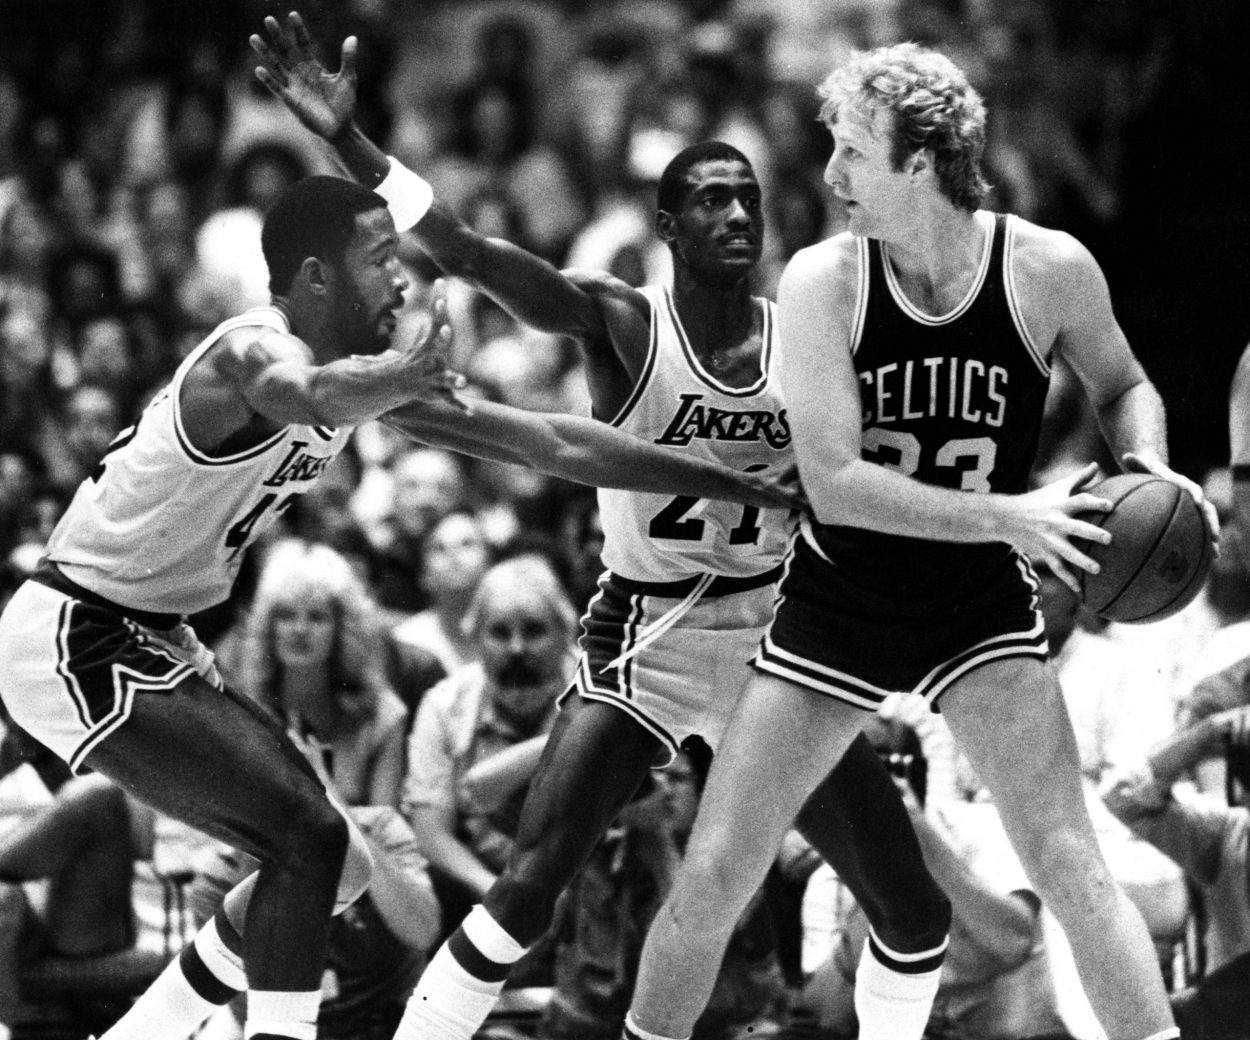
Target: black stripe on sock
909, 967
203, 981
472, 960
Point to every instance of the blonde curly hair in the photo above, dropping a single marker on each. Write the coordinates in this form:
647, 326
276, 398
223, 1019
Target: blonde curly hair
934, 106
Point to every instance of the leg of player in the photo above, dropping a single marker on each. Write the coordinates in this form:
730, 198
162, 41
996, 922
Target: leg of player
856, 820
1010, 719
218, 763
781, 743
592, 765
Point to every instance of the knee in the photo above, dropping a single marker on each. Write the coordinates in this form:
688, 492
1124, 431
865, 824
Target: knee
313, 837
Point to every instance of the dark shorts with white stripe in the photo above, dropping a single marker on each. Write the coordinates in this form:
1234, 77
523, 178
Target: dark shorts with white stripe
860, 645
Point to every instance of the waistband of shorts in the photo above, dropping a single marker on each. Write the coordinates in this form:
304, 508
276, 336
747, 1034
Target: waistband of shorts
722, 584
49, 574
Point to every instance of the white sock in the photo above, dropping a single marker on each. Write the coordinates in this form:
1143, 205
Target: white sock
633, 1031
279, 1013
892, 998
462, 983
1172, 1033
192, 986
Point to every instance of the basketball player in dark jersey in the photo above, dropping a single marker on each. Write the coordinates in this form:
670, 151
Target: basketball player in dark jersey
685, 597
914, 362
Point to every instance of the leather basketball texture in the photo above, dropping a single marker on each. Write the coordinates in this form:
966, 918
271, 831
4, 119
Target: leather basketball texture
1159, 554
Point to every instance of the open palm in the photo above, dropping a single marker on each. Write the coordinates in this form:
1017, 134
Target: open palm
324, 102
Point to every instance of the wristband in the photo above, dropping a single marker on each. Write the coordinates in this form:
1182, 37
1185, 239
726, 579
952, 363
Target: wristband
407, 196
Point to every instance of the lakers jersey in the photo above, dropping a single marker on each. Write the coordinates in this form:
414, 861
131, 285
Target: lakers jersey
162, 527
651, 537
955, 401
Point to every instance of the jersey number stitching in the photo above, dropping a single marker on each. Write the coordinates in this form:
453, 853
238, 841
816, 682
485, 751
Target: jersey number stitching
668, 523
900, 451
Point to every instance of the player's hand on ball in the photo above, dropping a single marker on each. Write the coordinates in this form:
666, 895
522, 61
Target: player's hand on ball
1043, 523
324, 102
1135, 463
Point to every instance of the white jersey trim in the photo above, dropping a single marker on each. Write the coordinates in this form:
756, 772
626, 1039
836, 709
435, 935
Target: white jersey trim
702, 374
862, 281
914, 312
648, 368
1013, 299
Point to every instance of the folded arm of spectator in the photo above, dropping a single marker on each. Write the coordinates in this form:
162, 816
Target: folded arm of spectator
492, 781
1002, 927
1190, 832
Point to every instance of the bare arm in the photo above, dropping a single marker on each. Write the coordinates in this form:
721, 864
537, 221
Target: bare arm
530, 288
400, 888
817, 300
492, 781
1002, 925
584, 450
434, 827
1071, 290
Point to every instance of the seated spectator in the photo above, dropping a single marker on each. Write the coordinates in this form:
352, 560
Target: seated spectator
1210, 840
312, 657
499, 708
67, 858
453, 559
378, 946
90, 417
996, 980
425, 485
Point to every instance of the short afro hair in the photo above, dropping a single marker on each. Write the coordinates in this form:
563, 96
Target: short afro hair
316, 216
675, 180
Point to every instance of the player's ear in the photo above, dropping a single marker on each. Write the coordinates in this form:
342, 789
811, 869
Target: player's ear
316, 275
665, 226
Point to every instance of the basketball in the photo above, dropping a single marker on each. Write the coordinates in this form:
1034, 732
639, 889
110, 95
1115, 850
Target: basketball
1159, 554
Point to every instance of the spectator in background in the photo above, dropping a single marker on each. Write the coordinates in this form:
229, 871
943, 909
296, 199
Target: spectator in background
454, 557
89, 420
81, 843
426, 484
497, 710
312, 657
1211, 842
996, 980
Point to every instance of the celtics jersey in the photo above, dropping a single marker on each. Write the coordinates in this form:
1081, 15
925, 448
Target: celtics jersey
677, 402
954, 400
161, 526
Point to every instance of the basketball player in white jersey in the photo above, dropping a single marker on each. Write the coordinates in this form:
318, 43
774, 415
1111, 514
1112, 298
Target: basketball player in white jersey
690, 583
98, 663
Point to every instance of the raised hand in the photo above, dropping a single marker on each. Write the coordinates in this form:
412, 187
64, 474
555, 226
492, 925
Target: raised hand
1042, 525
428, 357
324, 102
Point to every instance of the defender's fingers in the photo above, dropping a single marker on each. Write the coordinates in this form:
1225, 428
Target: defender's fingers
270, 80
347, 58
300, 31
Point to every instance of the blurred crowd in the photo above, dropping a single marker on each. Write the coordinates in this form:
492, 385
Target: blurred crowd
412, 620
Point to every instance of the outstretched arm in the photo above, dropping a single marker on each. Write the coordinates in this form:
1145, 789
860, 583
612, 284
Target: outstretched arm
527, 286
586, 451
